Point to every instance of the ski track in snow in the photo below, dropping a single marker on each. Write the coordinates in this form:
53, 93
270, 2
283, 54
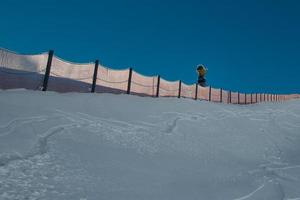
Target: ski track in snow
13, 124
39, 149
251, 194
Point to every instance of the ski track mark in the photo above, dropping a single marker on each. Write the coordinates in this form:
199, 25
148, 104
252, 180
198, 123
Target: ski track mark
39, 149
250, 194
13, 124
171, 126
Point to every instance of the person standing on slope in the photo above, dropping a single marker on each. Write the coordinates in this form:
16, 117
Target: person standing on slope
201, 74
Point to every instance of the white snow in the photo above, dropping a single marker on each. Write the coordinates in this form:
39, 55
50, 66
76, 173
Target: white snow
105, 146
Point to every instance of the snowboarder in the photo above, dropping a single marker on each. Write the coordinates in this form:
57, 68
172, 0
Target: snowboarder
201, 74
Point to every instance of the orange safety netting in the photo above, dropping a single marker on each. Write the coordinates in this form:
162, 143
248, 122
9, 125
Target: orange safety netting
22, 71
66, 76
28, 71
143, 85
225, 96
215, 95
188, 91
112, 81
168, 89
234, 97
203, 93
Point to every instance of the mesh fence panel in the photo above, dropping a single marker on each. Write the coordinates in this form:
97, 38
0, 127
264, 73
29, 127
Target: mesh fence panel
168, 89
242, 98
225, 96
215, 94
188, 91
112, 81
70, 77
143, 85
203, 93
253, 98
234, 97
248, 98
22, 71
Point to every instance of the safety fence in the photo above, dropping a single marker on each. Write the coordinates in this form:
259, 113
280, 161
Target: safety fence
46, 71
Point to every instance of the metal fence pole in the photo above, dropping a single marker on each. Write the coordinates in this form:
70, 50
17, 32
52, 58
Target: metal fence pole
221, 95
129, 81
157, 87
209, 94
196, 92
179, 89
95, 76
238, 97
48, 69
245, 98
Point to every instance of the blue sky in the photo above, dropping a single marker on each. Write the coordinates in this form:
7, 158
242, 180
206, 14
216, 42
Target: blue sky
248, 46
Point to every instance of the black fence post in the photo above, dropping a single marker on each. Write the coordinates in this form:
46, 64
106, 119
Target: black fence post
196, 92
251, 98
157, 86
48, 68
238, 97
221, 95
209, 94
255, 97
129, 81
264, 97
245, 98
95, 76
179, 89
229, 97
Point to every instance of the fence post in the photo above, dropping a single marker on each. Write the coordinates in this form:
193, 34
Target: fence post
255, 97
157, 86
238, 97
129, 81
221, 95
229, 96
264, 97
196, 92
209, 94
179, 89
251, 98
245, 98
95, 76
48, 68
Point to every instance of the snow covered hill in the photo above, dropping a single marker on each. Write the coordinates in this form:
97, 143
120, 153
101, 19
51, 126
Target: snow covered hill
119, 147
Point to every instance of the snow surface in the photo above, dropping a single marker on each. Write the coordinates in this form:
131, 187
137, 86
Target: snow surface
105, 146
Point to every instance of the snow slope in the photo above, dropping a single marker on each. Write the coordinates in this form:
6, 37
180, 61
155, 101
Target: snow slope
105, 146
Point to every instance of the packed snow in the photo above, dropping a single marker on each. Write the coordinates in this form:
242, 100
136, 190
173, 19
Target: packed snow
122, 147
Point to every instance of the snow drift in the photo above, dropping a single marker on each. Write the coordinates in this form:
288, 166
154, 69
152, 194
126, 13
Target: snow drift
105, 146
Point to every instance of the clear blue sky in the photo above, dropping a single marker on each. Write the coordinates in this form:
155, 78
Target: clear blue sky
250, 46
